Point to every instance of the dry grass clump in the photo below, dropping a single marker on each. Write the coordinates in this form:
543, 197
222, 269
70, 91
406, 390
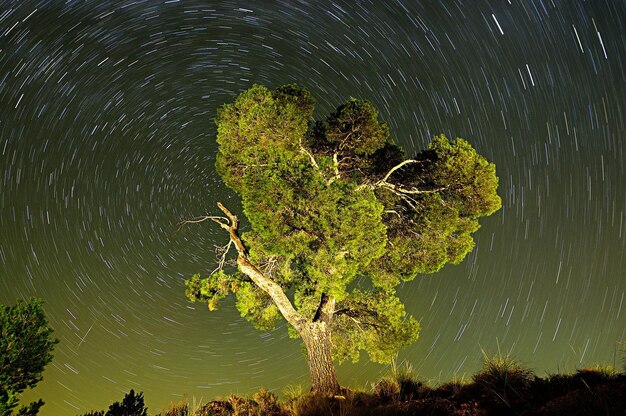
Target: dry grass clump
177, 409
262, 403
503, 380
400, 385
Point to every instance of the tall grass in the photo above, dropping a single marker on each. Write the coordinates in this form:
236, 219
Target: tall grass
182, 408
401, 384
504, 378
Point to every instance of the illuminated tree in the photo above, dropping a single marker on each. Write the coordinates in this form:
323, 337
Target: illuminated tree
338, 217
26, 348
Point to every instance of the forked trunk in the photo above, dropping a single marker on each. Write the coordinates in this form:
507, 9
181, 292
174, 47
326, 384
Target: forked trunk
316, 337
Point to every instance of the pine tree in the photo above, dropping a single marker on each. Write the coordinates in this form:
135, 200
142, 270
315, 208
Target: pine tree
330, 202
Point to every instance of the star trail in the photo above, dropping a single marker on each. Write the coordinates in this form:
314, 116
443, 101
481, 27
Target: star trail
107, 142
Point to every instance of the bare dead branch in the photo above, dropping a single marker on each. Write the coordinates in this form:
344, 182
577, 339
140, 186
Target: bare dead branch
222, 252
413, 191
401, 191
269, 265
220, 220
311, 158
202, 219
336, 168
392, 211
317, 167
353, 315
398, 166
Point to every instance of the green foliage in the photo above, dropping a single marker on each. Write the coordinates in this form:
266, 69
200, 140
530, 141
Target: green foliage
26, 345
293, 391
429, 229
252, 303
256, 306
374, 321
212, 289
327, 203
259, 127
354, 126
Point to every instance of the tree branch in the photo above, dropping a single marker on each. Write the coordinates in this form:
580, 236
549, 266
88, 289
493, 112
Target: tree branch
260, 279
396, 188
217, 219
336, 169
392, 211
342, 310
395, 168
399, 190
353, 315
317, 167
222, 251
313, 162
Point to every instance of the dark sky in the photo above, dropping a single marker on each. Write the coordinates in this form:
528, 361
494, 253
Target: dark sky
107, 141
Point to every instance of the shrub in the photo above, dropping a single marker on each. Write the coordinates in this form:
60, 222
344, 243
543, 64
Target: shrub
263, 403
293, 392
599, 371
400, 385
352, 403
177, 409
388, 389
454, 390
267, 402
504, 380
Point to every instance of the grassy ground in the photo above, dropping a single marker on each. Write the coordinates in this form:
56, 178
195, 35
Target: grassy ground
502, 387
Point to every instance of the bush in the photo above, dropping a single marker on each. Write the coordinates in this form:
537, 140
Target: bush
457, 389
387, 389
177, 409
267, 402
400, 385
263, 403
599, 372
504, 380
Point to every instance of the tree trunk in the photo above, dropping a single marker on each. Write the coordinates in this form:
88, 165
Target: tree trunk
316, 337
315, 334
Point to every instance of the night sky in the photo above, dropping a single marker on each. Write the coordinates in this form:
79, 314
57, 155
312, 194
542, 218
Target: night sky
107, 142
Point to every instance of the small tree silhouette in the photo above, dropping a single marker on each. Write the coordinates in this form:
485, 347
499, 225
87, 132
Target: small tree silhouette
131, 405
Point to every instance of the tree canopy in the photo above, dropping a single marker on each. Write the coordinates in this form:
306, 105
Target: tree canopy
339, 216
26, 346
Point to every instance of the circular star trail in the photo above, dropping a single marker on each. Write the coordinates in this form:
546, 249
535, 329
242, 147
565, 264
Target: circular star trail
107, 142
